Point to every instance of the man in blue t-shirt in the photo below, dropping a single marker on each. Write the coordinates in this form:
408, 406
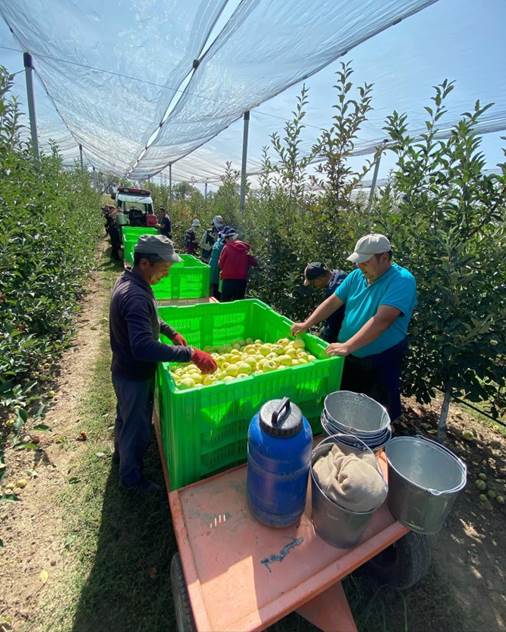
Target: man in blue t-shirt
378, 298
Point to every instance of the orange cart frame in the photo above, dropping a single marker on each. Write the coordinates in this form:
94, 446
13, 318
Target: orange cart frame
229, 558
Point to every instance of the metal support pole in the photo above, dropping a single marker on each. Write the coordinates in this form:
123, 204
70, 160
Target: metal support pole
379, 153
244, 161
81, 156
205, 190
170, 185
27, 60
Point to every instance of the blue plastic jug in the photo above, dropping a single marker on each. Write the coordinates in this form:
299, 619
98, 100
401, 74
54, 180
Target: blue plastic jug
279, 455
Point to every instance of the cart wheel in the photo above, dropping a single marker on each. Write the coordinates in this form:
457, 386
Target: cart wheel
184, 616
404, 563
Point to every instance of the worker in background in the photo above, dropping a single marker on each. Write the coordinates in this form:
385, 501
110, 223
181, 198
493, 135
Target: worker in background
209, 237
379, 298
106, 213
136, 350
115, 235
235, 262
317, 275
214, 262
165, 223
191, 242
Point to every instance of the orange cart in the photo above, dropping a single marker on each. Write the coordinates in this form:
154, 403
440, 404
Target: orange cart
233, 574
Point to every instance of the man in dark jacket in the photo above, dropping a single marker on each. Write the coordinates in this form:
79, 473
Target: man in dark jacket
134, 331
191, 242
235, 262
318, 276
209, 238
165, 224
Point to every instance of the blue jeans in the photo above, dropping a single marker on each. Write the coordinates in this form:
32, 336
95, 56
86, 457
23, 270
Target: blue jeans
134, 411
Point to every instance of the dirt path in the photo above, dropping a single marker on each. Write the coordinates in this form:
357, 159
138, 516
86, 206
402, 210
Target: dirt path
469, 553
464, 592
32, 529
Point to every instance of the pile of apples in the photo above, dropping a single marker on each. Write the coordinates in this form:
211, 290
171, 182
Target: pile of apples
242, 359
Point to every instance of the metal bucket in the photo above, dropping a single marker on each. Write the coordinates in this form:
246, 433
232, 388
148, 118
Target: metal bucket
356, 413
424, 479
336, 525
374, 442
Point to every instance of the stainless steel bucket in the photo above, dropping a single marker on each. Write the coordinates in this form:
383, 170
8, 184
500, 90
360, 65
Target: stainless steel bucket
355, 413
424, 479
335, 524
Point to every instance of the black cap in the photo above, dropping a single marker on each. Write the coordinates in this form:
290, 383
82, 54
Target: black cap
280, 418
314, 270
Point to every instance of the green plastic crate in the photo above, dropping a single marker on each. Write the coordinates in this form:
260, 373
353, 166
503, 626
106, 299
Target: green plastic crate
204, 429
134, 232
130, 236
128, 250
188, 279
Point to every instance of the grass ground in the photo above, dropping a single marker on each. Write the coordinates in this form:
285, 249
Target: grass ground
111, 551
117, 546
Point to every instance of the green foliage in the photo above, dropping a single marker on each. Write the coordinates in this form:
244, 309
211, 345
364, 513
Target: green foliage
189, 203
336, 144
49, 226
226, 200
446, 215
290, 166
286, 223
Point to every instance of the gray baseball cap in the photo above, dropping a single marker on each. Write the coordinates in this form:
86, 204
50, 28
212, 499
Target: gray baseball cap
368, 246
158, 245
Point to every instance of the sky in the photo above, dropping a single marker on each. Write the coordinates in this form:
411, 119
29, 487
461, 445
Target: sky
462, 40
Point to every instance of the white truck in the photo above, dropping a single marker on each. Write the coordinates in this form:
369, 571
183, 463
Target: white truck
137, 205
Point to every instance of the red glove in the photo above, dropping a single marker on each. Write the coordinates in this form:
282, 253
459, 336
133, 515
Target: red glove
204, 361
178, 339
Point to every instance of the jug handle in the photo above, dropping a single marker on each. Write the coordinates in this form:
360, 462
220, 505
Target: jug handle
445, 449
276, 414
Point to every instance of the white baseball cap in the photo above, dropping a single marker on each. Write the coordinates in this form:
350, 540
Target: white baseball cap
368, 246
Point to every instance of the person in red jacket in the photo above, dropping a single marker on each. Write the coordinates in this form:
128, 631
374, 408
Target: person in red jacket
235, 262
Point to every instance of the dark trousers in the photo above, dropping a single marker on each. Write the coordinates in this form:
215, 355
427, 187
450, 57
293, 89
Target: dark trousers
115, 235
134, 411
233, 289
329, 334
377, 376
215, 290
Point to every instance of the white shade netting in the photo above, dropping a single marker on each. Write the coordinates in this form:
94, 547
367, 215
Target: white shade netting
121, 76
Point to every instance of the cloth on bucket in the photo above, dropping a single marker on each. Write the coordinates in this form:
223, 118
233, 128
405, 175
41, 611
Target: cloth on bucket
352, 481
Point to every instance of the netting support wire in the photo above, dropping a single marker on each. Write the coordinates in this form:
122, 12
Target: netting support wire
27, 60
379, 152
81, 155
170, 186
244, 161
